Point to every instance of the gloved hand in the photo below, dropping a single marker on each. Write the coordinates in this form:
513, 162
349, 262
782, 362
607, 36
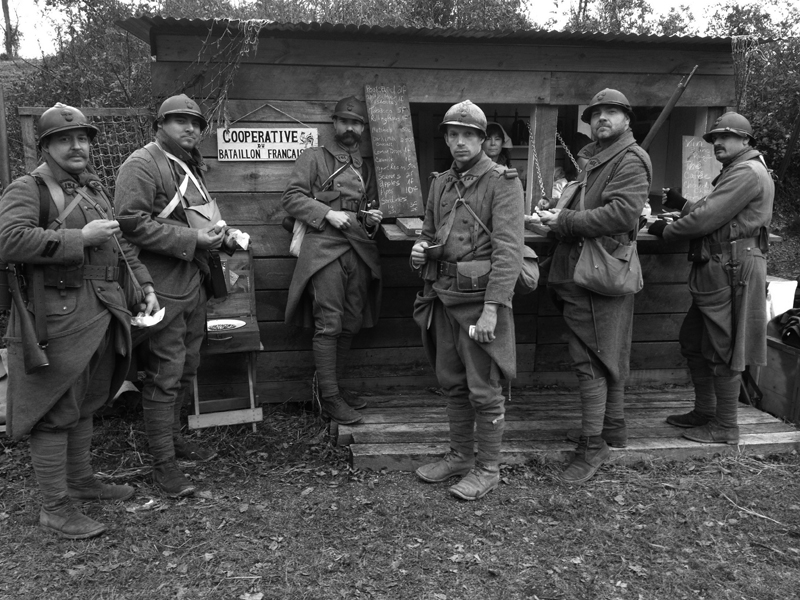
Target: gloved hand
672, 199
658, 227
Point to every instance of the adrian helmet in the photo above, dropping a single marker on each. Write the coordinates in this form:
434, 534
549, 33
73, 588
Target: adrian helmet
61, 118
607, 97
730, 122
350, 108
179, 105
466, 114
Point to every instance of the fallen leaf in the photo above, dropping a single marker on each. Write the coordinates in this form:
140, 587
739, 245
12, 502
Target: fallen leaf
208, 556
206, 494
243, 508
307, 491
255, 596
273, 546
69, 554
620, 499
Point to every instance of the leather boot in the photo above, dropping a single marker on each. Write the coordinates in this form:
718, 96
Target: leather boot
452, 464
481, 480
336, 409
723, 428
589, 455
103, 492
705, 402
170, 480
615, 436
70, 523
352, 399
58, 515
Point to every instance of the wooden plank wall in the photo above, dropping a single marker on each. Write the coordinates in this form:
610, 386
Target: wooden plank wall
303, 76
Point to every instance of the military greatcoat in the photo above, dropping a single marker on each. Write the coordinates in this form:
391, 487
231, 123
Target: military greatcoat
738, 208
78, 316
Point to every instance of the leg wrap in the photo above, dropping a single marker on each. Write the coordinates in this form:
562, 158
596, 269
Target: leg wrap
79, 462
593, 405
49, 460
158, 420
727, 390
461, 418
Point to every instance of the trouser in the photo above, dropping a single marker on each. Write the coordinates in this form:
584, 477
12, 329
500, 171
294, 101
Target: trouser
339, 295
471, 381
60, 442
716, 385
171, 360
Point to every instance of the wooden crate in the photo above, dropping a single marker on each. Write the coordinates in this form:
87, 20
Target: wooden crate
779, 380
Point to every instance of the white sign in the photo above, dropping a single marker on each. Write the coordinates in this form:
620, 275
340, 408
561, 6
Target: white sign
264, 144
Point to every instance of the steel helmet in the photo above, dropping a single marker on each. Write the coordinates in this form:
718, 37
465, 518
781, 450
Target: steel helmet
730, 122
465, 114
350, 108
609, 97
179, 105
61, 118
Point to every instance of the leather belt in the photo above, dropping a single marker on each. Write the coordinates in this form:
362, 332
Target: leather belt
446, 268
725, 247
101, 273
340, 204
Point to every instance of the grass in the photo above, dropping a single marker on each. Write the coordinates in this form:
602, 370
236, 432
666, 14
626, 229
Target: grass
281, 515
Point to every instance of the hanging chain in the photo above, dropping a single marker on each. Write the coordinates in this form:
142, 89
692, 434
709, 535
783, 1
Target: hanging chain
532, 144
566, 149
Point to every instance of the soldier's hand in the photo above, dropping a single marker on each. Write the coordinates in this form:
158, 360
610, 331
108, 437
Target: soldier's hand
550, 217
418, 255
543, 204
209, 239
373, 217
150, 305
657, 228
484, 328
338, 218
98, 232
672, 199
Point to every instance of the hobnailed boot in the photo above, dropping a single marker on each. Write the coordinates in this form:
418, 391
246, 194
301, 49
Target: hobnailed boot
589, 455
69, 523
481, 480
336, 409
723, 428
352, 399
58, 515
450, 465
170, 480
705, 403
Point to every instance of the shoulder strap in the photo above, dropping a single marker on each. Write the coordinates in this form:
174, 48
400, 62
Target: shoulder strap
167, 178
43, 173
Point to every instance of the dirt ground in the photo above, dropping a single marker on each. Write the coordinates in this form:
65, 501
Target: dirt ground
280, 515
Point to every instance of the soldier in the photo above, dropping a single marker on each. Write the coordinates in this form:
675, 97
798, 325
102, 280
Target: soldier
337, 278
60, 223
616, 182
470, 253
176, 229
725, 328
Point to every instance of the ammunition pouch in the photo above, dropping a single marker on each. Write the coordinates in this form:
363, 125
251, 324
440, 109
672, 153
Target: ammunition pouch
473, 275
699, 250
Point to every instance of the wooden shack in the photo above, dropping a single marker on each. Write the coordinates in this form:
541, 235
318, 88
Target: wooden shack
294, 79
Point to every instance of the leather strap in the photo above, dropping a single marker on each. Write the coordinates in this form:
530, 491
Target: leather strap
725, 247
101, 273
446, 268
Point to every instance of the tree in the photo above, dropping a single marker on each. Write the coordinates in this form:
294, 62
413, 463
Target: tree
10, 33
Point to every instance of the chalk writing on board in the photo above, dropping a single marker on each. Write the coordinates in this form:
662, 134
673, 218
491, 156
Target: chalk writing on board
393, 150
699, 167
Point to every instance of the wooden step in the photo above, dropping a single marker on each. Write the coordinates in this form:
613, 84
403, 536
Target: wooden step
402, 431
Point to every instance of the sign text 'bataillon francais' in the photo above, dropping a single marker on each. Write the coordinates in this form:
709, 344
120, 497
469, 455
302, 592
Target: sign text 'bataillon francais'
264, 144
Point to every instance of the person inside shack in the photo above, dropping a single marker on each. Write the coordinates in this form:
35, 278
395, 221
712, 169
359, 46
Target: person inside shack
497, 144
726, 326
59, 221
613, 188
470, 255
336, 284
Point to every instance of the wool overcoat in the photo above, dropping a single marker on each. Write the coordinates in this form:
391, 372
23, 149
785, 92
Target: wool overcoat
495, 195
77, 317
323, 243
617, 187
738, 208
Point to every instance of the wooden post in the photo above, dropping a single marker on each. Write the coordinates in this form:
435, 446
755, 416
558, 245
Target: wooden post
29, 142
544, 120
5, 166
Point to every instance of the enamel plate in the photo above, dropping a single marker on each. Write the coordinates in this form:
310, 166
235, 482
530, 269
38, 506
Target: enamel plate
225, 324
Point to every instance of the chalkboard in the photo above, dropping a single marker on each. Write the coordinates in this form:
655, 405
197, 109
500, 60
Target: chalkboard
699, 167
393, 150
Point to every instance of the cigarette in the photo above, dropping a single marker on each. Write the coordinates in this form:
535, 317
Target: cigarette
472, 332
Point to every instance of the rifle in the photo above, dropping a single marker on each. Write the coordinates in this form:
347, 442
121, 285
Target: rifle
733, 278
34, 356
676, 95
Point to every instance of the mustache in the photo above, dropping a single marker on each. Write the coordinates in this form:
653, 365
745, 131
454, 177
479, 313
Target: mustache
348, 136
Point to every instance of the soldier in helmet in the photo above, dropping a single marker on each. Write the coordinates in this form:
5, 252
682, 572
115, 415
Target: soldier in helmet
337, 278
57, 224
725, 328
470, 256
614, 186
176, 230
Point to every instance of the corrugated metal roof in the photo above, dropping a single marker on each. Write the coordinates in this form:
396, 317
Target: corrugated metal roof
145, 27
